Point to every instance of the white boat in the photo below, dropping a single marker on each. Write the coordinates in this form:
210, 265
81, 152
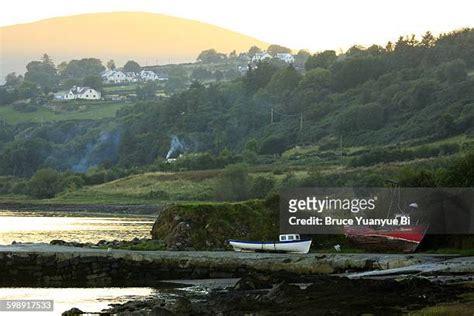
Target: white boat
291, 243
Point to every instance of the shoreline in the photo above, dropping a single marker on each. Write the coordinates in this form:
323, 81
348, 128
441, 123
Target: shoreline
130, 209
45, 264
265, 282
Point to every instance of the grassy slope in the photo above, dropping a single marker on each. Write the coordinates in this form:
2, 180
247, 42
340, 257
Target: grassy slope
148, 188
161, 187
93, 111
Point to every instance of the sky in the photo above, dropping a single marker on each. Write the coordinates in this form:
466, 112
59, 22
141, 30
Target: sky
315, 25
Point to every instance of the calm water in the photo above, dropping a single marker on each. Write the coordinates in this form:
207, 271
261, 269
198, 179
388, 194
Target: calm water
46, 226
86, 299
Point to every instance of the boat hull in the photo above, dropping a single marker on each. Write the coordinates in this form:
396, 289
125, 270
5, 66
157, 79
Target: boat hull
397, 240
297, 246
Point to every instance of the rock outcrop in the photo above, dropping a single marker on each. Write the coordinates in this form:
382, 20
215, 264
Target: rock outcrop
205, 226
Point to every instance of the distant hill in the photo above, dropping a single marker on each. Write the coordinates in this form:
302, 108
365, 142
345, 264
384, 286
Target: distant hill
145, 37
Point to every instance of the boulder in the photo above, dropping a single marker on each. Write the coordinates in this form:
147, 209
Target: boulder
72, 312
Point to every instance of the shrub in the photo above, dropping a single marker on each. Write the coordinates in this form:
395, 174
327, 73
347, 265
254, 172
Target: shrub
234, 183
73, 182
261, 186
45, 183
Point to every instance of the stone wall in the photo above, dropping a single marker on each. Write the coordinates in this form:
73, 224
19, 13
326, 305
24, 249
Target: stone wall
69, 266
23, 269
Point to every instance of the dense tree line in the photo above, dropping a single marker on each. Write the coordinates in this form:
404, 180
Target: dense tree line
411, 90
406, 91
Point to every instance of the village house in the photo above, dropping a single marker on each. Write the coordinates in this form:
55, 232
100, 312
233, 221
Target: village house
148, 75
114, 76
81, 93
261, 56
286, 57
131, 77
117, 76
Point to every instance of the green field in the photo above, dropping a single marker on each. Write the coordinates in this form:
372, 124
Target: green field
199, 185
147, 188
86, 111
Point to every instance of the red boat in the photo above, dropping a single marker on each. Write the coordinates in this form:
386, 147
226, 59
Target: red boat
396, 238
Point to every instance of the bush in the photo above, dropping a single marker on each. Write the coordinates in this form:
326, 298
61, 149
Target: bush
20, 188
234, 183
45, 183
73, 182
261, 186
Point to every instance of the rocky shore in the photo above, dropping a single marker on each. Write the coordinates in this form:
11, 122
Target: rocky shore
292, 294
153, 244
336, 284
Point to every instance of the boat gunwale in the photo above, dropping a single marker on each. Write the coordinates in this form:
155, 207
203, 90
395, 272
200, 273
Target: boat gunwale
269, 242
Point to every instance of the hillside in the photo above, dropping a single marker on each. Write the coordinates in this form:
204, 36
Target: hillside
145, 37
407, 103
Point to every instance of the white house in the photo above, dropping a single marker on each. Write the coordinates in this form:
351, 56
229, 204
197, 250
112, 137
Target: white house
131, 77
261, 56
114, 76
64, 95
286, 57
82, 93
148, 75
86, 93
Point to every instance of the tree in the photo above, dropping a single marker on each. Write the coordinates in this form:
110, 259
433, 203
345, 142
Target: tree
69, 83
111, 65
201, 73
261, 186
375, 50
27, 90
356, 50
23, 157
253, 51
321, 60
428, 40
94, 82
277, 49
148, 91
274, 144
177, 79
43, 73
6, 96
131, 66
211, 56
460, 172
303, 53
260, 77
282, 83
423, 92
45, 59
455, 71
79, 69
234, 183
62, 67
355, 119
316, 79
12, 79
301, 57
356, 70
251, 145
45, 183
406, 43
